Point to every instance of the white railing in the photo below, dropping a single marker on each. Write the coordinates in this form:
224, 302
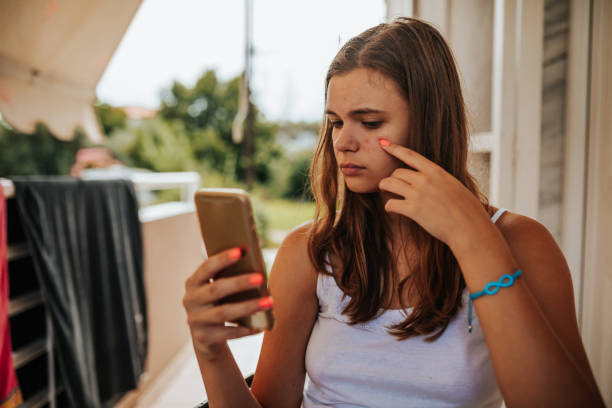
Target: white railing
187, 182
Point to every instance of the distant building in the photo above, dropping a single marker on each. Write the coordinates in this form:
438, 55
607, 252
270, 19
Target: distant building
138, 112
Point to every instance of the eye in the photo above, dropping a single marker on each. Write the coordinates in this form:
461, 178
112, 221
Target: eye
336, 124
372, 125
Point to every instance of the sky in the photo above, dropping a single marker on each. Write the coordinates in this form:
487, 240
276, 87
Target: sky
294, 42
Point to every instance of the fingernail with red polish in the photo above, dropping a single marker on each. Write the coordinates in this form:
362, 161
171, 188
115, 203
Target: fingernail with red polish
235, 253
384, 142
256, 279
266, 303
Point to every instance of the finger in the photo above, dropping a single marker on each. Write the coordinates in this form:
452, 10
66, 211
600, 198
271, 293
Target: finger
407, 175
408, 156
229, 311
220, 288
395, 186
214, 264
206, 295
401, 207
217, 334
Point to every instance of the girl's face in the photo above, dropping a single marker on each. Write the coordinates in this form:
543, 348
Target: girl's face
363, 105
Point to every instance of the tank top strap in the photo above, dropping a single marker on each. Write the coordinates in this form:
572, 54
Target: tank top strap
498, 214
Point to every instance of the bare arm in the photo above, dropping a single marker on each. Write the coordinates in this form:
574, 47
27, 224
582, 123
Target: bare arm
530, 328
280, 375
222, 378
280, 372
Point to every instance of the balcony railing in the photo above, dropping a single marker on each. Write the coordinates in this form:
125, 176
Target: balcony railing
186, 182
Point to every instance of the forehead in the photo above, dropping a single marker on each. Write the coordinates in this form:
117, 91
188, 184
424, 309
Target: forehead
363, 86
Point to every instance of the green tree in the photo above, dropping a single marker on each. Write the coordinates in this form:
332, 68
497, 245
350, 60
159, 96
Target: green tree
153, 144
193, 131
110, 117
298, 180
24, 154
41, 153
207, 111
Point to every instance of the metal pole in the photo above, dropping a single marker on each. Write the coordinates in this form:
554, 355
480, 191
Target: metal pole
249, 131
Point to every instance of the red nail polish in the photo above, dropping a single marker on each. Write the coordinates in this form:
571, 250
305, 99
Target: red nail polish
235, 253
256, 279
384, 142
266, 303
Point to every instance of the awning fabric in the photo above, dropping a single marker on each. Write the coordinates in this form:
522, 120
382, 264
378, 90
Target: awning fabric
52, 55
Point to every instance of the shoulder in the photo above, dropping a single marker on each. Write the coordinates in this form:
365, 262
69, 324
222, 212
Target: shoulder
299, 235
530, 240
295, 244
526, 236
535, 249
292, 265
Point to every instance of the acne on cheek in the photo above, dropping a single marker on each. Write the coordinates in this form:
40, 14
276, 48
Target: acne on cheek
370, 145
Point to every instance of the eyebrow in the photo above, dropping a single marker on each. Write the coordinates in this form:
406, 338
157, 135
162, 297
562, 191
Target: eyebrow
356, 112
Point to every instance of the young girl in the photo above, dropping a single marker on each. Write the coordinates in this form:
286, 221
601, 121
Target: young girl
373, 299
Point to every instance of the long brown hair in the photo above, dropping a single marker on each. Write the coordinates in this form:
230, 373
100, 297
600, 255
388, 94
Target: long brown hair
350, 233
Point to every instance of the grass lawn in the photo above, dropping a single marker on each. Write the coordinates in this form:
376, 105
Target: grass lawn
285, 214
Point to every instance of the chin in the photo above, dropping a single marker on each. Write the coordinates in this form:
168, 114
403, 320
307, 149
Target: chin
361, 188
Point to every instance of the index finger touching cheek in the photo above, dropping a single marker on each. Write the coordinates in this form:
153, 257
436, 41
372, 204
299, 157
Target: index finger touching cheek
406, 155
214, 264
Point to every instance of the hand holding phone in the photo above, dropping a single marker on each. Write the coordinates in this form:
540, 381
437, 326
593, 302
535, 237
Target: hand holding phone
226, 222
206, 318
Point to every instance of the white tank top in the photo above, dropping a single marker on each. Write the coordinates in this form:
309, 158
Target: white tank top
364, 366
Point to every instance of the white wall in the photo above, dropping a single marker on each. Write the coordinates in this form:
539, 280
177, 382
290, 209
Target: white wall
597, 288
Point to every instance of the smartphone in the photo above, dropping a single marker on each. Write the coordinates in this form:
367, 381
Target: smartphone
226, 221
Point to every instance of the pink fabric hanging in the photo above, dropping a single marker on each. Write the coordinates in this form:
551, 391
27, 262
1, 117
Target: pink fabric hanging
10, 394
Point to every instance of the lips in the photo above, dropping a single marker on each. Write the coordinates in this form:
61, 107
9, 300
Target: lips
350, 166
351, 169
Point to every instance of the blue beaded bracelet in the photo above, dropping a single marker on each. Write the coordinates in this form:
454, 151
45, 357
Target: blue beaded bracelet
490, 289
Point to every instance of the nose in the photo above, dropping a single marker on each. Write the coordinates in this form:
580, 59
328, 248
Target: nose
345, 139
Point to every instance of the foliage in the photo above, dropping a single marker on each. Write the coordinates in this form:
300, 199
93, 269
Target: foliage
153, 144
110, 117
262, 222
207, 111
38, 153
293, 130
41, 153
298, 180
192, 132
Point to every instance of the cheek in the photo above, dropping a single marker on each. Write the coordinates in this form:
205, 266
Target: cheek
388, 165
371, 146
382, 164
378, 157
